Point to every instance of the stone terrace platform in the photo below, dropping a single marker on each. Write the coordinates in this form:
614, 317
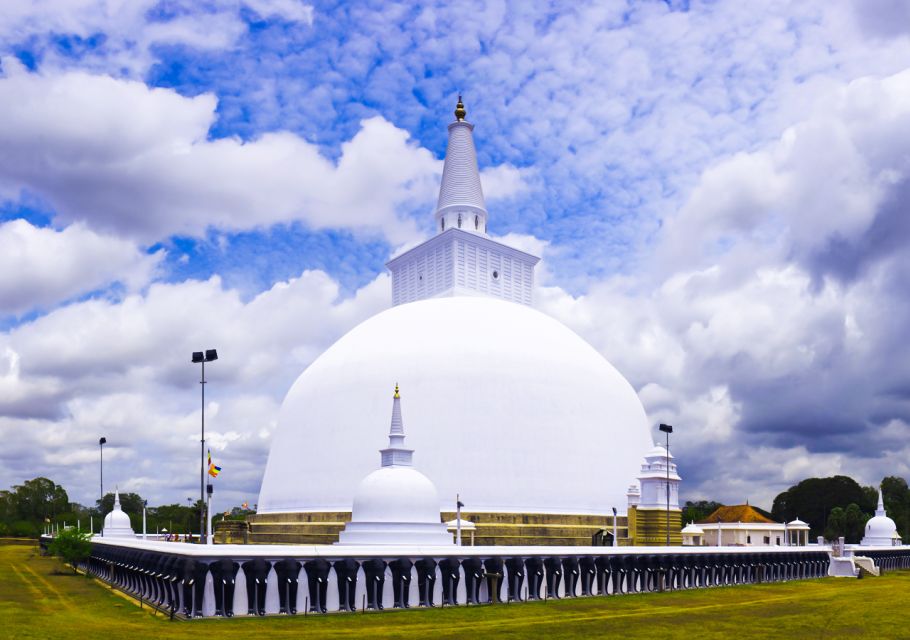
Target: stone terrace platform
212, 580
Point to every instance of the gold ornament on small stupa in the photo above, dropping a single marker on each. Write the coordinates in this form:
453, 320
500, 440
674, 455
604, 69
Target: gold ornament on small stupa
460, 112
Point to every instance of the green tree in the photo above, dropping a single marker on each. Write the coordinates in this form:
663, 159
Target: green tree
836, 526
814, 499
71, 545
849, 523
896, 495
698, 510
24, 508
176, 518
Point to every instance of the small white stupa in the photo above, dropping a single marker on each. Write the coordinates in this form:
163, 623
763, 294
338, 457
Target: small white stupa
117, 523
396, 504
880, 530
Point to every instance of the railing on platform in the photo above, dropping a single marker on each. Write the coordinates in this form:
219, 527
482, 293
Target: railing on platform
195, 581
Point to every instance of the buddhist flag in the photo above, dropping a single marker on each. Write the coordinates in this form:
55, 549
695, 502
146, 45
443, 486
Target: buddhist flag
213, 470
245, 505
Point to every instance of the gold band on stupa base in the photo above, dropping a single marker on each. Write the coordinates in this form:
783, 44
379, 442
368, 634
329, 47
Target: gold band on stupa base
495, 529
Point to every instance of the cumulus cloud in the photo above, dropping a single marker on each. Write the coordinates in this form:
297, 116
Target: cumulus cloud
40, 267
768, 320
828, 190
118, 36
121, 369
138, 162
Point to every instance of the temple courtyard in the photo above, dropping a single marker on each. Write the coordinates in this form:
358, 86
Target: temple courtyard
40, 598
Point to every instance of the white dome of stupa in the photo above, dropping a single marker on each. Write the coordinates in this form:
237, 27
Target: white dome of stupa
880, 529
392, 494
396, 504
507, 406
117, 522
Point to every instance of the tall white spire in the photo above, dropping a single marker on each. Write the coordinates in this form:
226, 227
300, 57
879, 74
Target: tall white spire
396, 454
461, 259
461, 203
881, 504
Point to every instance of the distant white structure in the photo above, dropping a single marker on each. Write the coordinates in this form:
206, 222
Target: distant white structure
693, 535
653, 479
742, 526
396, 504
466, 526
880, 529
633, 495
117, 522
797, 532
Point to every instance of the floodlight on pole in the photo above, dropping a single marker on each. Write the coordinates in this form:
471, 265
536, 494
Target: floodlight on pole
101, 442
667, 429
201, 358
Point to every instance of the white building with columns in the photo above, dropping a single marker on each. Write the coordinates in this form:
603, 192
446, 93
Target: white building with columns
743, 526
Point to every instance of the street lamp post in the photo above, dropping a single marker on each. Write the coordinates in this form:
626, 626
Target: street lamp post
667, 429
458, 505
615, 529
101, 442
201, 358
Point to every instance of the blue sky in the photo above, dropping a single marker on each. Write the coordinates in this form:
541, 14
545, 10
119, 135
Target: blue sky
716, 188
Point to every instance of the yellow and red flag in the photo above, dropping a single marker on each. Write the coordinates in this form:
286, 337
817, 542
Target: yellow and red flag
213, 469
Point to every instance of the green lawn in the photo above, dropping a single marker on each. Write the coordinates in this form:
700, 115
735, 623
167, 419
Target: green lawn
40, 600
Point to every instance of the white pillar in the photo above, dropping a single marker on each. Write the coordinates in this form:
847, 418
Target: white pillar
143, 522
91, 524
457, 520
208, 524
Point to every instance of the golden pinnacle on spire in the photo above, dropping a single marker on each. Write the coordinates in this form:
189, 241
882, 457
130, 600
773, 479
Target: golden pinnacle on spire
396, 391
460, 112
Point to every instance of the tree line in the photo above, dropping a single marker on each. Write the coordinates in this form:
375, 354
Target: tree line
27, 509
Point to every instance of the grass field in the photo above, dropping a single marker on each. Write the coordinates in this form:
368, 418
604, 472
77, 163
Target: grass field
39, 599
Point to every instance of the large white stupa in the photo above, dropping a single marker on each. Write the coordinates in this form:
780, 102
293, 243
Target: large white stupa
508, 407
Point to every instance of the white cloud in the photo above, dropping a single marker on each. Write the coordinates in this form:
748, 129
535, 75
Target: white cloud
825, 180
40, 267
136, 161
129, 30
121, 369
